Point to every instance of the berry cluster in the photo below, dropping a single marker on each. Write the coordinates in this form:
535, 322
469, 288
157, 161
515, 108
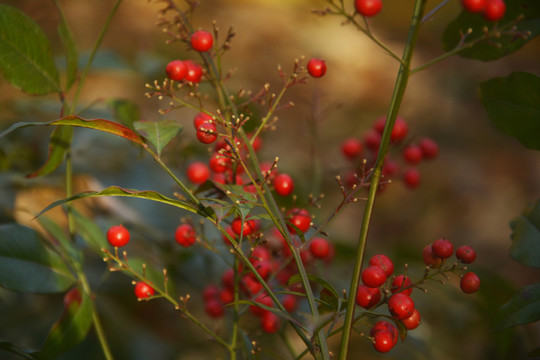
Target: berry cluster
492, 10
404, 167
381, 287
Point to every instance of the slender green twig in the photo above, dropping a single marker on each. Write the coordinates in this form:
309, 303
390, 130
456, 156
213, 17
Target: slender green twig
397, 97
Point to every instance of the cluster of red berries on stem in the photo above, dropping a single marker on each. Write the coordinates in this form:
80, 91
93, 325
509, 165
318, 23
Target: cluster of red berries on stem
367, 147
492, 10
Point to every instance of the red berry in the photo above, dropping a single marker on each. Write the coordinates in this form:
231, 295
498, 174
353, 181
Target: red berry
383, 262
176, 70
299, 218
194, 71
185, 235
474, 6
227, 279
400, 283
251, 285
373, 276
413, 321
412, 177
470, 282
384, 325
143, 290
400, 306
202, 41
400, 130
383, 341
379, 124
290, 302
200, 119
197, 172
219, 163
466, 254
226, 295
283, 184
246, 228
495, 10
264, 299
368, 7
442, 248
320, 248
367, 297
316, 67
430, 259
412, 154
430, 149
214, 308
118, 236
352, 148
390, 168
210, 292
207, 133
372, 140
270, 322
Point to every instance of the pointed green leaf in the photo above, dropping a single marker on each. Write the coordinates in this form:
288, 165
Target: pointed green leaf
26, 60
27, 265
58, 146
494, 47
70, 329
72, 58
526, 236
159, 133
523, 308
513, 105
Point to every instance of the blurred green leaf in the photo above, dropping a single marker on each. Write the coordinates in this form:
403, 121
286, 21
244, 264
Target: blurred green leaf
26, 61
513, 105
58, 235
491, 48
523, 308
14, 349
159, 133
69, 330
124, 111
526, 236
58, 145
26, 265
90, 232
72, 58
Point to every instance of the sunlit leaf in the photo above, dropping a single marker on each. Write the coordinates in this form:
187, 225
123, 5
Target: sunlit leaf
27, 265
526, 236
159, 133
26, 60
492, 47
523, 308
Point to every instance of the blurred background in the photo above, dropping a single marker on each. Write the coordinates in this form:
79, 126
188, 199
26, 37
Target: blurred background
481, 180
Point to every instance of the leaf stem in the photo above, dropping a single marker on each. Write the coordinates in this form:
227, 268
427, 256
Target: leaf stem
397, 97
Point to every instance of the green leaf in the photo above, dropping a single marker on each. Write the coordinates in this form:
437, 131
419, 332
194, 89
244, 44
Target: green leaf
118, 191
523, 308
26, 60
72, 58
124, 111
14, 349
513, 105
159, 133
526, 236
90, 232
243, 200
26, 265
59, 236
487, 48
58, 146
70, 329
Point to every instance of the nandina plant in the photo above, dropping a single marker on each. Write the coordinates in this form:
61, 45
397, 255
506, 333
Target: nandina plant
241, 208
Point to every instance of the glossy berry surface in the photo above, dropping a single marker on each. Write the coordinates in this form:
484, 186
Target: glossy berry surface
401, 284
373, 276
200, 119
385, 336
495, 10
367, 297
201, 41
368, 8
194, 71
207, 133
320, 248
383, 262
283, 184
118, 236
219, 163
198, 172
246, 228
316, 67
401, 306
466, 254
474, 6
470, 283
185, 235
430, 259
413, 321
442, 248
143, 290
352, 148
301, 219
176, 70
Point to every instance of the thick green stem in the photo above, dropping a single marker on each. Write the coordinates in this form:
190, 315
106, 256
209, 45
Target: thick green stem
397, 97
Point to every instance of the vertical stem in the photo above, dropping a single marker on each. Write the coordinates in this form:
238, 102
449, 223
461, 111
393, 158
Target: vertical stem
397, 97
